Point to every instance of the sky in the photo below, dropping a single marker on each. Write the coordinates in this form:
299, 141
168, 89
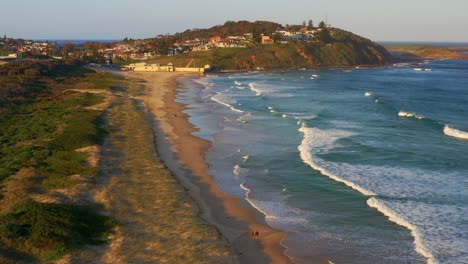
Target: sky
390, 20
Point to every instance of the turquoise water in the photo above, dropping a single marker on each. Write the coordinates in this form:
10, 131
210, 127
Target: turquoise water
358, 165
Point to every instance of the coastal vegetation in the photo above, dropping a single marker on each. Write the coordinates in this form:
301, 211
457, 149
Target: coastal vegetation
46, 114
60, 200
331, 47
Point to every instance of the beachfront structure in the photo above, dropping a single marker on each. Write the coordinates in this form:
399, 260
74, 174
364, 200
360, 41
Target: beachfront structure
144, 67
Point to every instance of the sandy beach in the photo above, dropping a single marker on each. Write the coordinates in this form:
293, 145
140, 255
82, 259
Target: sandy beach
184, 154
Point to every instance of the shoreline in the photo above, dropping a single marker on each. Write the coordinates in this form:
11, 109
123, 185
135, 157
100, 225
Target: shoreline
184, 154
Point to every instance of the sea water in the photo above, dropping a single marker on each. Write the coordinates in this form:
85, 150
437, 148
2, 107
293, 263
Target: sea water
358, 165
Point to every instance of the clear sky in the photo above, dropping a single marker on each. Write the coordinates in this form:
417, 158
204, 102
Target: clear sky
389, 20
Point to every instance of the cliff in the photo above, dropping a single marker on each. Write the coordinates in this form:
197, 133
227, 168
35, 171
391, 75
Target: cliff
344, 49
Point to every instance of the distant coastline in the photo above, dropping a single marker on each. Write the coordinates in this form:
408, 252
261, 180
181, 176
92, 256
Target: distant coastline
426, 43
62, 42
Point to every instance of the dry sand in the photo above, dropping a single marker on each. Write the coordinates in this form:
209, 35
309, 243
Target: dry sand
232, 216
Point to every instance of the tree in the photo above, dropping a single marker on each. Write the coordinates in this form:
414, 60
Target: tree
277, 37
322, 24
304, 24
324, 35
67, 49
256, 35
310, 25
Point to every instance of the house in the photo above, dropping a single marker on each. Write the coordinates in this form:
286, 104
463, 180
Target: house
267, 40
216, 38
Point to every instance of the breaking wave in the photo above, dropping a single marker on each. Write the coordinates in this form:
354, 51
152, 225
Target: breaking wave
219, 101
410, 115
452, 132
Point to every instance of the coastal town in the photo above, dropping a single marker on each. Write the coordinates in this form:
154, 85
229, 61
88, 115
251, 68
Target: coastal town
130, 51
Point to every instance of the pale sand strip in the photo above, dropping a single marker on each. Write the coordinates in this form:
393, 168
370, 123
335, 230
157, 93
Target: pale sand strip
233, 217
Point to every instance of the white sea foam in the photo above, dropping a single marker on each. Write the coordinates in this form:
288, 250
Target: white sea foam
205, 82
410, 115
262, 89
418, 69
284, 116
246, 158
302, 116
371, 180
237, 83
452, 132
368, 94
315, 75
384, 209
277, 213
255, 89
437, 229
219, 101
239, 171
322, 140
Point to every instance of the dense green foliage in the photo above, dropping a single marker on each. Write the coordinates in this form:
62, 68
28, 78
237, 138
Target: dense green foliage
44, 119
261, 56
230, 28
48, 230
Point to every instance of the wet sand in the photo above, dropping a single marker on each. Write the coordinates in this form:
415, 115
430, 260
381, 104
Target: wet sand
184, 154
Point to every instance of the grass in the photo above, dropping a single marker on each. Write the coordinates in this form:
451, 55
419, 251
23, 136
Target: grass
201, 58
4, 53
41, 129
37, 131
101, 80
49, 230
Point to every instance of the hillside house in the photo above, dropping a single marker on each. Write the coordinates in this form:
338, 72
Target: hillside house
267, 40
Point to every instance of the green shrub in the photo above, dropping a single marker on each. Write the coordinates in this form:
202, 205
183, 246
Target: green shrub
49, 230
82, 129
59, 166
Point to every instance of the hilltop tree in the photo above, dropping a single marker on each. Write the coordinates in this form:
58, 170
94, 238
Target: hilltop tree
257, 35
310, 24
322, 24
276, 37
324, 35
304, 24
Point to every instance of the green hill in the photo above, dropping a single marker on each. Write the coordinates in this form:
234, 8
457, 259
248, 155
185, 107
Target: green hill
331, 48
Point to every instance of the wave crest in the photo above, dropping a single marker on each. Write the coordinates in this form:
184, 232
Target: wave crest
321, 140
219, 101
410, 115
452, 132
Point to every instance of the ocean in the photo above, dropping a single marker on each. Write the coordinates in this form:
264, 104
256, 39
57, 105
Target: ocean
358, 165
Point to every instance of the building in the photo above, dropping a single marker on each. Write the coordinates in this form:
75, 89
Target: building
216, 38
267, 40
